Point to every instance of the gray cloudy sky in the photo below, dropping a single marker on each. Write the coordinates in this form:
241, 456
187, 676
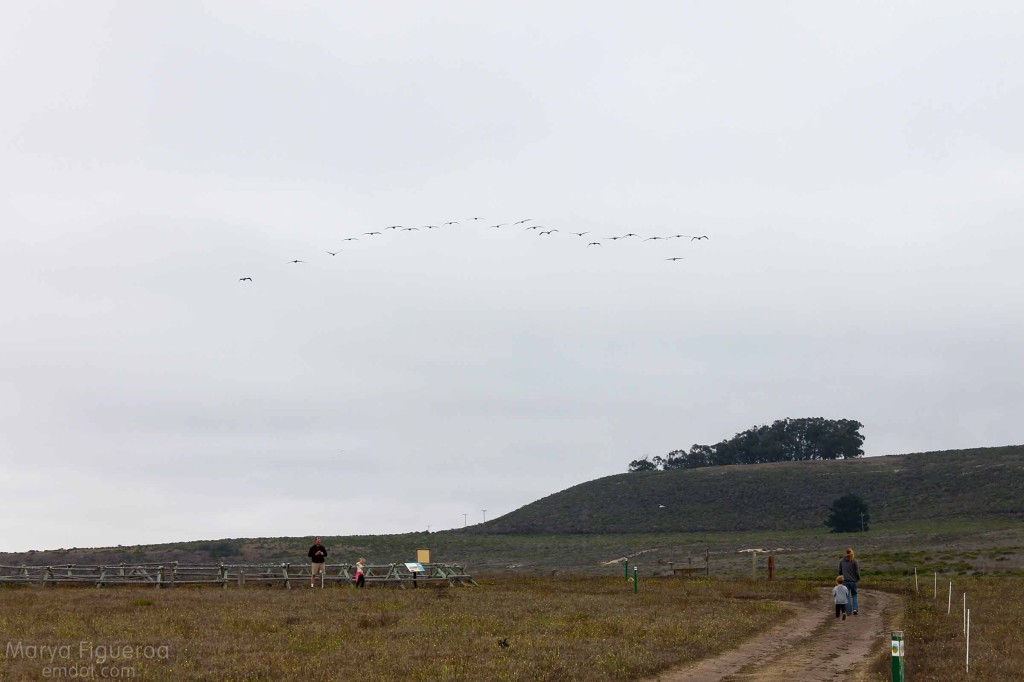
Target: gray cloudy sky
858, 169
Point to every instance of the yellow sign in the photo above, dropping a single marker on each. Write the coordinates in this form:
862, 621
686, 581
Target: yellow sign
423, 556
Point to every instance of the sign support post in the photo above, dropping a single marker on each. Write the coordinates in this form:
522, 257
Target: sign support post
898, 651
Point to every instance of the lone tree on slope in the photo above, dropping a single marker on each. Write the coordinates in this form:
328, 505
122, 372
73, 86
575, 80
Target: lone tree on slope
848, 514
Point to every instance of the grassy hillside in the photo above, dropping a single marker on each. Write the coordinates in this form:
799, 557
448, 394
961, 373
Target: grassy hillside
946, 511
983, 482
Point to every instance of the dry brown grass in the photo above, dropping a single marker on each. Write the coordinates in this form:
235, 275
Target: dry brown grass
554, 629
935, 642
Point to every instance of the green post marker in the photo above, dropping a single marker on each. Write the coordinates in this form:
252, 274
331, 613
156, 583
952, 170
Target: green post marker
626, 561
636, 581
898, 669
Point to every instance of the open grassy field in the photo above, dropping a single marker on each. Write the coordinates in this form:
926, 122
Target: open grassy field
935, 640
564, 629
561, 628
559, 601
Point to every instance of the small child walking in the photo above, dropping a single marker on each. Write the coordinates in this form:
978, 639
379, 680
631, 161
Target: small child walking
841, 596
360, 578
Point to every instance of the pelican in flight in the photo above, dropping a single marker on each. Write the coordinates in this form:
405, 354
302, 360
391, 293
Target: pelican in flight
406, 229
548, 232
520, 222
594, 244
580, 234
371, 233
350, 239
296, 261
703, 236
334, 253
245, 279
676, 258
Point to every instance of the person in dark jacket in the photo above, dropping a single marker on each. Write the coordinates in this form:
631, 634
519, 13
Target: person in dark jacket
850, 570
317, 554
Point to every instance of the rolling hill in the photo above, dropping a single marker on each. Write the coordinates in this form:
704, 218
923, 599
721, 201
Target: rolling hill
969, 493
781, 496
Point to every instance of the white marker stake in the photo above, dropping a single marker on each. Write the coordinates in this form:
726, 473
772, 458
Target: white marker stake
917, 588
968, 641
935, 587
965, 613
949, 604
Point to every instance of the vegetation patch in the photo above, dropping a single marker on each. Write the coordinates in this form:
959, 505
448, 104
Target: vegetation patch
509, 629
933, 627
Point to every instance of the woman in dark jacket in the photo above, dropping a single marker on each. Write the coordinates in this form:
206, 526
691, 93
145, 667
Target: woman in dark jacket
850, 570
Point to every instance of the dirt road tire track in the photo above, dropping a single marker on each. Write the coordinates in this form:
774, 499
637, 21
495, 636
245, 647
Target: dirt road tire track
810, 646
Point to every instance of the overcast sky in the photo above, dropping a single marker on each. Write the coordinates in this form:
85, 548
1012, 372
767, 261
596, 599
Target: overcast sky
858, 170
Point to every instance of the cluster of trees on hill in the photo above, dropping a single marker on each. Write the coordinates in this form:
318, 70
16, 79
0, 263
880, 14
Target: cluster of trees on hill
784, 440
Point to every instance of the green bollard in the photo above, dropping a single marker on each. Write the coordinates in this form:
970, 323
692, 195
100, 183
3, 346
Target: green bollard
627, 568
898, 650
636, 581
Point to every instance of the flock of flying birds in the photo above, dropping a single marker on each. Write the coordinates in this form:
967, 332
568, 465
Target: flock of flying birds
525, 225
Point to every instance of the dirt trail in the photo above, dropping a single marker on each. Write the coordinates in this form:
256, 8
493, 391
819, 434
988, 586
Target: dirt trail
811, 646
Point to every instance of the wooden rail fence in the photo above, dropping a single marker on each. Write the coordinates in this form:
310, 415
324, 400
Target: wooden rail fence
223, 575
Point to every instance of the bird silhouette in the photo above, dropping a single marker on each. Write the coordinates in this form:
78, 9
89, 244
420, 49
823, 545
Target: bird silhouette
520, 222
296, 261
534, 227
703, 236
579, 234
407, 229
631, 234
371, 233
594, 244
452, 222
549, 232
676, 258
350, 239
650, 238
334, 253
500, 225
245, 279
392, 227
476, 218
614, 238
